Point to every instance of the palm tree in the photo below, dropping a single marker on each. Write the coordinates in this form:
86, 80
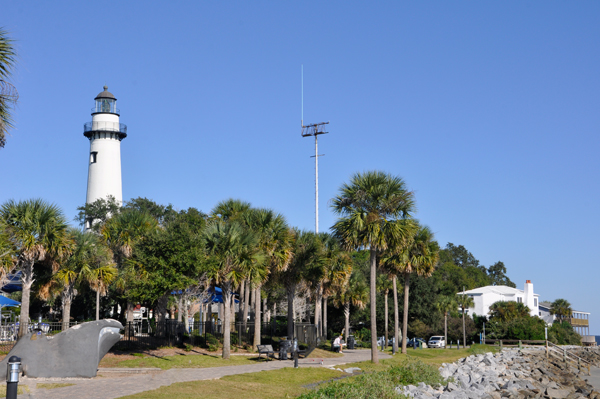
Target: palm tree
7, 254
234, 210
306, 253
446, 304
275, 242
75, 269
232, 251
121, 232
371, 209
505, 311
336, 272
465, 302
417, 256
562, 309
8, 94
355, 292
384, 284
38, 231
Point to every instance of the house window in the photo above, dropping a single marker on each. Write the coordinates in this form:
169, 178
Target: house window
540, 314
93, 156
534, 301
519, 299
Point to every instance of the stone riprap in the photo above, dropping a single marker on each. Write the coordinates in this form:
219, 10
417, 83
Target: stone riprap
508, 374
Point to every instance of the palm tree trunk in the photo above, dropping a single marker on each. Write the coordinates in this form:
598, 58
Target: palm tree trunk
98, 304
179, 308
66, 311
27, 282
256, 318
318, 302
253, 300
226, 287
186, 314
242, 302
374, 352
291, 293
246, 300
386, 317
445, 329
464, 333
405, 315
396, 321
325, 317
347, 320
266, 314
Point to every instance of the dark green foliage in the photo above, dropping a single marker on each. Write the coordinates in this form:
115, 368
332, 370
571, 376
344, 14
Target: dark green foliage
511, 320
497, 273
562, 333
381, 384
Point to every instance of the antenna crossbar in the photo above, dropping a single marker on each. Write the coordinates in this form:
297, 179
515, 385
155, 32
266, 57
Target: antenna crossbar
314, 129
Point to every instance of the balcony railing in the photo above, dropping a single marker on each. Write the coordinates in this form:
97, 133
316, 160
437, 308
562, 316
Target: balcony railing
579, 322
108, 110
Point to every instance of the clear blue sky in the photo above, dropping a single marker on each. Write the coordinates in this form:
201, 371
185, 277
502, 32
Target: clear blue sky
488, 110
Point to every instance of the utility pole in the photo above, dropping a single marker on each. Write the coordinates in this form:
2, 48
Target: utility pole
315, 129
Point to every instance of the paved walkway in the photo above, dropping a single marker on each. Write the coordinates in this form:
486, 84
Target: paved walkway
119, 385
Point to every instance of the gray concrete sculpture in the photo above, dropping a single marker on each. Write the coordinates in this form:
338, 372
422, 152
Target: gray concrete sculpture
75, 352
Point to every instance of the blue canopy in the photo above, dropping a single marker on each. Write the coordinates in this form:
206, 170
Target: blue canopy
14, 283
4, 301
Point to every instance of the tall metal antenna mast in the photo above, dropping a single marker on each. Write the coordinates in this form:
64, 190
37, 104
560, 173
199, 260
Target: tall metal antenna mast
314, 129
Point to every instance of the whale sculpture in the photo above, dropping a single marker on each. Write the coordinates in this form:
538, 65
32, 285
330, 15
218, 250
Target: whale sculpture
75, 352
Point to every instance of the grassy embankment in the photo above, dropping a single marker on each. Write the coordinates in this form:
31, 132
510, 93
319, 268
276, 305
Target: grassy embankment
378, 380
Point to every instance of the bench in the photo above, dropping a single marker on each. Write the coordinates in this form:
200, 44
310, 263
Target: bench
266, 349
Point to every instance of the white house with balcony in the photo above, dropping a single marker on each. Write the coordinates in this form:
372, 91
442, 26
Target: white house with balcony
484, 297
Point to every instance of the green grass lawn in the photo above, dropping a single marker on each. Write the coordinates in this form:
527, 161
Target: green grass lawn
289, 382
283, 383
180, 361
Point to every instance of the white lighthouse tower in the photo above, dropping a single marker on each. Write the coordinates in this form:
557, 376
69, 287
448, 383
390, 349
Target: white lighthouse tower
105, 134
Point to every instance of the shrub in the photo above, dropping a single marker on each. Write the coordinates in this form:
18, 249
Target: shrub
380, 384
563, 334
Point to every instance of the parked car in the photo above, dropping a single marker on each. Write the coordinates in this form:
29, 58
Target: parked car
421, 341
437, 341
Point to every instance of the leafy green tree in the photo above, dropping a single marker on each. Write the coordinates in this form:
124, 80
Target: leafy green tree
38, 231
231, 253
561, 308
445, 305
562, 333
94, 215
8, 93
459, 256
170, 259
371, 209
497, 273
465, 302
161, 213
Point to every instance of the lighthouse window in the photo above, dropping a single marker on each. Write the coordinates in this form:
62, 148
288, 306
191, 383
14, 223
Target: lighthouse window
93, 157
